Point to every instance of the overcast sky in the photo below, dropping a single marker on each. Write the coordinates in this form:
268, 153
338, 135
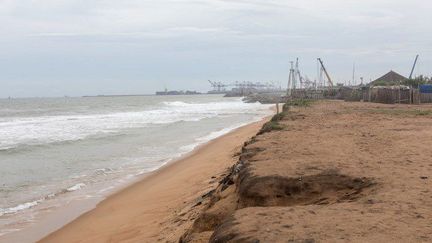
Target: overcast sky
84, 47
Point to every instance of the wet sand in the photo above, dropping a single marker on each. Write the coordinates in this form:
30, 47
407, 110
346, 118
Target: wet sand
162, 205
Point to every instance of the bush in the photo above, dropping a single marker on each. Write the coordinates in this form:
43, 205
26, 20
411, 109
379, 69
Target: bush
423, 113
271, 126
416, 82
278, 117
298, 102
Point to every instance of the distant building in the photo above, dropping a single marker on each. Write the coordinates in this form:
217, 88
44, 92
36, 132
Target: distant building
175, 92
389, 79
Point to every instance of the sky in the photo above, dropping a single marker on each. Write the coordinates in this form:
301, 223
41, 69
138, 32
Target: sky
92, 47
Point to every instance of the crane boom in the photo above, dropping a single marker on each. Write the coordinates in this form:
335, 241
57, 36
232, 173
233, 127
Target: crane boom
326, 73
412, 70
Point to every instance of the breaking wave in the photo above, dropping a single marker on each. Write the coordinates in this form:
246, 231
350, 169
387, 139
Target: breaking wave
32, 131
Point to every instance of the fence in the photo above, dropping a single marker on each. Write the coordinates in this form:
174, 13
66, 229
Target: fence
382, 94
308, 94
390, 96
386, 95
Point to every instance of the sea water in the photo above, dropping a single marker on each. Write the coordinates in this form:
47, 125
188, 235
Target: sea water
56, 150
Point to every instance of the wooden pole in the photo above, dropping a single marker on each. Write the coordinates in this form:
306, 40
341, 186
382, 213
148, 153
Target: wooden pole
410, 95
399, 92
277, 108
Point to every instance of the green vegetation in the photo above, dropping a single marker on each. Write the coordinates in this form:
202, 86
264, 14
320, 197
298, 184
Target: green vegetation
271, 126
298, 102
409, 82
274, 125
278, 117
417, 81
402, 112
423, 112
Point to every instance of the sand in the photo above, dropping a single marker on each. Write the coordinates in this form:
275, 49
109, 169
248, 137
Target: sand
330, 172
162, 205
336, 172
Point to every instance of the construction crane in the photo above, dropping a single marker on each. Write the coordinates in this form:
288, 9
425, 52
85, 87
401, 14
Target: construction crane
330, 82
307, 83
297, 72
291, 80
412, 70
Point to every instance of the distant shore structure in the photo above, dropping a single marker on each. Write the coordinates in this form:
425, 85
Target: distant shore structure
243, 88
176, 92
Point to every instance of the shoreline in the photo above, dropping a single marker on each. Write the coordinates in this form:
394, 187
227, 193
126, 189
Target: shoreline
91, 211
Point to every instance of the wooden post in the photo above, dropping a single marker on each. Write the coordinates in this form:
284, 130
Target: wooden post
277, 108
399, 92
410, 95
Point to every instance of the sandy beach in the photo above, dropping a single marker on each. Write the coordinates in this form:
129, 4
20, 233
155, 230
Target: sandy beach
328, 171
325, 171
215, 121
162, 205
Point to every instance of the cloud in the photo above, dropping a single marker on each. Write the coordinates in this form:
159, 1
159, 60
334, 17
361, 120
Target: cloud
78, 39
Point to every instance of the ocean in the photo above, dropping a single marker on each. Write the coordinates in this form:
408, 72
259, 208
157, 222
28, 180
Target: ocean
57, 150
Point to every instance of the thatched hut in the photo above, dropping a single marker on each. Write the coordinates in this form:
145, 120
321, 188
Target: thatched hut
389, 79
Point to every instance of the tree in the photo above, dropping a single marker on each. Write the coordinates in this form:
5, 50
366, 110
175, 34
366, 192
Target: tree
417, 81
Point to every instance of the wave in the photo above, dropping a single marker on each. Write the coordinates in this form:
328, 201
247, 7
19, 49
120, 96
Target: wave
22, 147
76, 187
210, 136
175, 103
32, 131
34, 203
54, 129
19, 207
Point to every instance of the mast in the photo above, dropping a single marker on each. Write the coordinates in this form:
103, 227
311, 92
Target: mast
353, 75
412, 70
291, 80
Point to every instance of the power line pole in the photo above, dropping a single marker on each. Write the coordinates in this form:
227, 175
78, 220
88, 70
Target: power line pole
353, 75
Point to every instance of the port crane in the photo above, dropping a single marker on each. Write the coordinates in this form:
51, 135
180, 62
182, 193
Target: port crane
330, 82
412, 70
242, 85
217, 86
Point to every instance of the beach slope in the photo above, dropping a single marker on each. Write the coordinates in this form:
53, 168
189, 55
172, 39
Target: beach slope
162, 205
331, 171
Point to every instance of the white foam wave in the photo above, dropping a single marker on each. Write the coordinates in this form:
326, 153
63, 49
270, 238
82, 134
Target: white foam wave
31, 204
18, 131
175, 103
209, 137
19, 207
76, 187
